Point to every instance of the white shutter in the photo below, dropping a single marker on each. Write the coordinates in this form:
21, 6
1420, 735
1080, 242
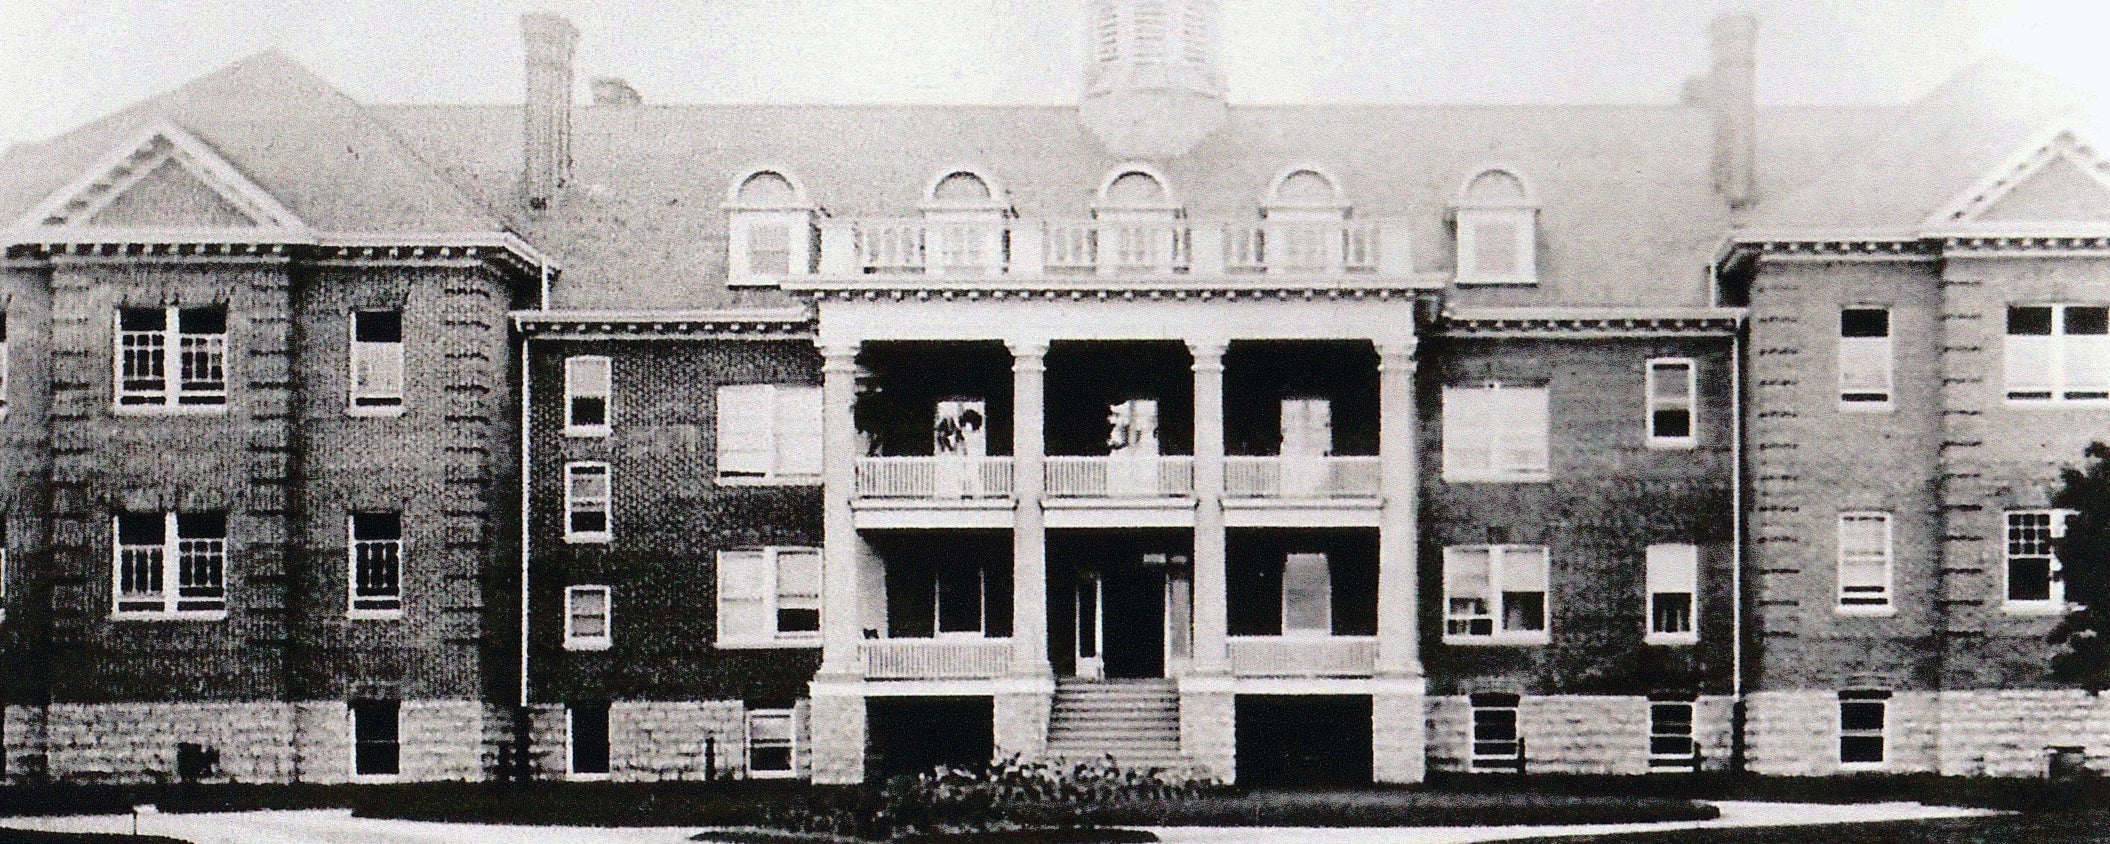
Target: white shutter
377, 370
1864, 365
1468, 433
2087, 365
2030, 363
1524, 569
1524, 424
1465, 573
1307, 595
744, 593
798, 431
746, 429
1673, 568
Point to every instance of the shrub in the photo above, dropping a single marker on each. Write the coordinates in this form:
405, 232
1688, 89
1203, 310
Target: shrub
1010, 795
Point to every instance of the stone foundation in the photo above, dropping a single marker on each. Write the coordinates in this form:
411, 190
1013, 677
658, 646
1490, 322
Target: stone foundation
1577, 734
1398, 738
1797, 733
25, 760
255, 741
1209, 730
1021, 723
837, 724
2006, 733
675, 740
442, 740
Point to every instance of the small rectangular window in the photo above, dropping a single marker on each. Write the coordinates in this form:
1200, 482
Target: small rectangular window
377, 361
1495, 594
1865, 563
589, 387
588, 618
1498, 744
1307, 595
1673, 594
1863, 728
588, 503
772, 744
1670, 743
376, 736
771, 597
769, 432
1672, 385
1864, 358
1495, 433
2035, 583
155, 550
586, 740
2058, 353
376, 564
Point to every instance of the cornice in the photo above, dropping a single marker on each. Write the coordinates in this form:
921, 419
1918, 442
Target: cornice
737, 324
1591, 322
500, 249
1098, 288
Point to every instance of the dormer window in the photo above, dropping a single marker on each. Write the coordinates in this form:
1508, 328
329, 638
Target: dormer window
1136, 228
769, 228
1497, 231
1303, 233
964, 232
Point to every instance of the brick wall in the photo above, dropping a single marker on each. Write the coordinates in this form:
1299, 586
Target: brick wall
671, 518
1609, 499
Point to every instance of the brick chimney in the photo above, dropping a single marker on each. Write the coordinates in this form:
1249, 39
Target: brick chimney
1731, 99
610, 91
550, 41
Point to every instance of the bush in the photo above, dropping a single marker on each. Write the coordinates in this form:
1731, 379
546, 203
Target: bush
1011, 795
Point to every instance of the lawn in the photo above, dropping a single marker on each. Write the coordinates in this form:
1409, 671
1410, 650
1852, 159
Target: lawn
2090, 826
23, 836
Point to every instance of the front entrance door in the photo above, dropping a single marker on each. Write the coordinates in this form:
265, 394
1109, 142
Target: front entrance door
1090, 631
1132, 622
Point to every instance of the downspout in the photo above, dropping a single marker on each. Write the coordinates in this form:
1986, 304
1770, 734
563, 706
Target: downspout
1736, 545
522, 728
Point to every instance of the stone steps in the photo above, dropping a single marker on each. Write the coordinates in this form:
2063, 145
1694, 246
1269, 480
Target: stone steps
1137, 722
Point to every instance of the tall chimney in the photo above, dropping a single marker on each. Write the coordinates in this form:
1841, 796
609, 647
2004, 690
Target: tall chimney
550, 41
1732, 101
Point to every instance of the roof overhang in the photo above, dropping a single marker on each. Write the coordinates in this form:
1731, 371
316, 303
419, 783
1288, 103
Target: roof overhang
1130, 287
733, 324
1591, 322
501, 249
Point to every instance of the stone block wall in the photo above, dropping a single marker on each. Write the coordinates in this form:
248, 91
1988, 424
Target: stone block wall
323, 741
837, 724
23, 732
2005, 732
1208, 731
676, 740
1796, 733
1577, 734
1021, 722
1398, 738
442, 740
136, 742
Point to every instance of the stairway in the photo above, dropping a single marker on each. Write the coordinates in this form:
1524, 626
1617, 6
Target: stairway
1137, 721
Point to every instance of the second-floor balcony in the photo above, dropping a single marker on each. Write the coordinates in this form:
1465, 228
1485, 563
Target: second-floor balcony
934, 478
1120, 476
952, 247
1277, 476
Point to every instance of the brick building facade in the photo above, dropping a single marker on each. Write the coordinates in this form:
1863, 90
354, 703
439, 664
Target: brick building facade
361, 442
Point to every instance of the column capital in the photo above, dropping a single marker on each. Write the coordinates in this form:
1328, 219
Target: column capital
1022, 350
836, 352
1398, 353
1209, 349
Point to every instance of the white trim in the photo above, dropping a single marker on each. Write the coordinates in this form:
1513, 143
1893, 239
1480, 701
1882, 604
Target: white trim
1463, 198
358, 351
798, 189
1878, 698
171, 335
1501, 467
1658, 563
1650, 400
2058, 343
351, 717
1658, 762
1496, 610
2055, 605
188, 152
351, 571
1272, 199
1868, 347
575, 642
573, 391
1169, 200
171, 570
571, 731
1888, 559
2059, 140
607, 509
791, 721
771, 596
998, 200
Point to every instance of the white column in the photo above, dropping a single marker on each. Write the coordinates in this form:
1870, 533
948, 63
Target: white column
840, 632
1398, 583
1029, 535
1210, 617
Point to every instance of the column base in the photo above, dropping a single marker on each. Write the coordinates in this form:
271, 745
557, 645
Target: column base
1208, 724
836, 724
1399, 732
1021, 723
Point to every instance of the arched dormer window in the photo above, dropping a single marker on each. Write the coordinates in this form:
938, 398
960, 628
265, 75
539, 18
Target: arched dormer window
963, 224
1134, 189
1303, 210
1497, 219
1304, 193
769, 227
1136, 227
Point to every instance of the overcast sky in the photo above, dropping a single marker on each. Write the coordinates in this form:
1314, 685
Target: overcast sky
64, 62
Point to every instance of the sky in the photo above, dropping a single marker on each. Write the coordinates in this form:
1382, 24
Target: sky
65, 62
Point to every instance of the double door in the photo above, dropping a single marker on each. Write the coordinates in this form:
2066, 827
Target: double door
1133, 621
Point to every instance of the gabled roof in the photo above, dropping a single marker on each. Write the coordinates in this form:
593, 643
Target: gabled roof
289, 135
1931, 153
2054, 179
162, 161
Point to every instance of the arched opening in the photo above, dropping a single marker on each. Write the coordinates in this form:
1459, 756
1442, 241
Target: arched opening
767, 188
1496, 187
1305, 187
961, 187
1134, 189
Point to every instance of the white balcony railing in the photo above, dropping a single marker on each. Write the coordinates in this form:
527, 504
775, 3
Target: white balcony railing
954, 246
1294, 656
937, 659
940, 478
1120, 477
1302, 477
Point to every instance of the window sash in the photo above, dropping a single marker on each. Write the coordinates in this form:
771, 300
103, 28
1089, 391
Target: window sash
589, 387
586, 740
1865, 555
589, 489
376, 562
768, 249
1508, 601
188, 549
1670, 734
1673, 576
1307, 595
589, 617
2057, 353
769, 596
772, 743
1497, 739
2033, 578
1863, 731
1670, 391
1495, 433
145, 338
769, 431
377, 358
376, 738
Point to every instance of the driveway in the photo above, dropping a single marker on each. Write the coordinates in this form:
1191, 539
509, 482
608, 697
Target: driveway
337, 826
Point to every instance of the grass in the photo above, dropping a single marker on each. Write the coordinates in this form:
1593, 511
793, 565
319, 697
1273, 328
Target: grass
2091, 826
24, 836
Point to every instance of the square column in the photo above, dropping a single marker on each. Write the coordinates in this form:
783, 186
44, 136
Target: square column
841, 618
1211, 620
1029, 534
1399, 729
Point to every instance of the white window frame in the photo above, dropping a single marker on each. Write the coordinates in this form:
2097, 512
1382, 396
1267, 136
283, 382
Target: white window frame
1672, 761
766, 557
2059, 345
604, 504
576, 641
578, 375
787, 403
1653, 402
1478, 761
1325, 599
1497, 608
378, 607
1888, 559
790, 720
169, 556
1521, 223
375, 373
173, 350
1880, 699
1504, 465
351, 717
938, 602
571, 744
2056, 603
1671, 569
1864, 398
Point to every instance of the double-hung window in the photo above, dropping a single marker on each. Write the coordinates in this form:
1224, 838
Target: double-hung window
376, 570
1495, 594
772, 743
1864, 359
1495, 432
1863, 728
1498, 744
1307, 595
377, 362
147, 338
2034, 584
1673, 591
961, 599
377, 731
588, 502
2058, 353
1670, 743
588, 389
1865, 563
771, 597
586, 741
588, 618
170, 564
769, 433
1672, 384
